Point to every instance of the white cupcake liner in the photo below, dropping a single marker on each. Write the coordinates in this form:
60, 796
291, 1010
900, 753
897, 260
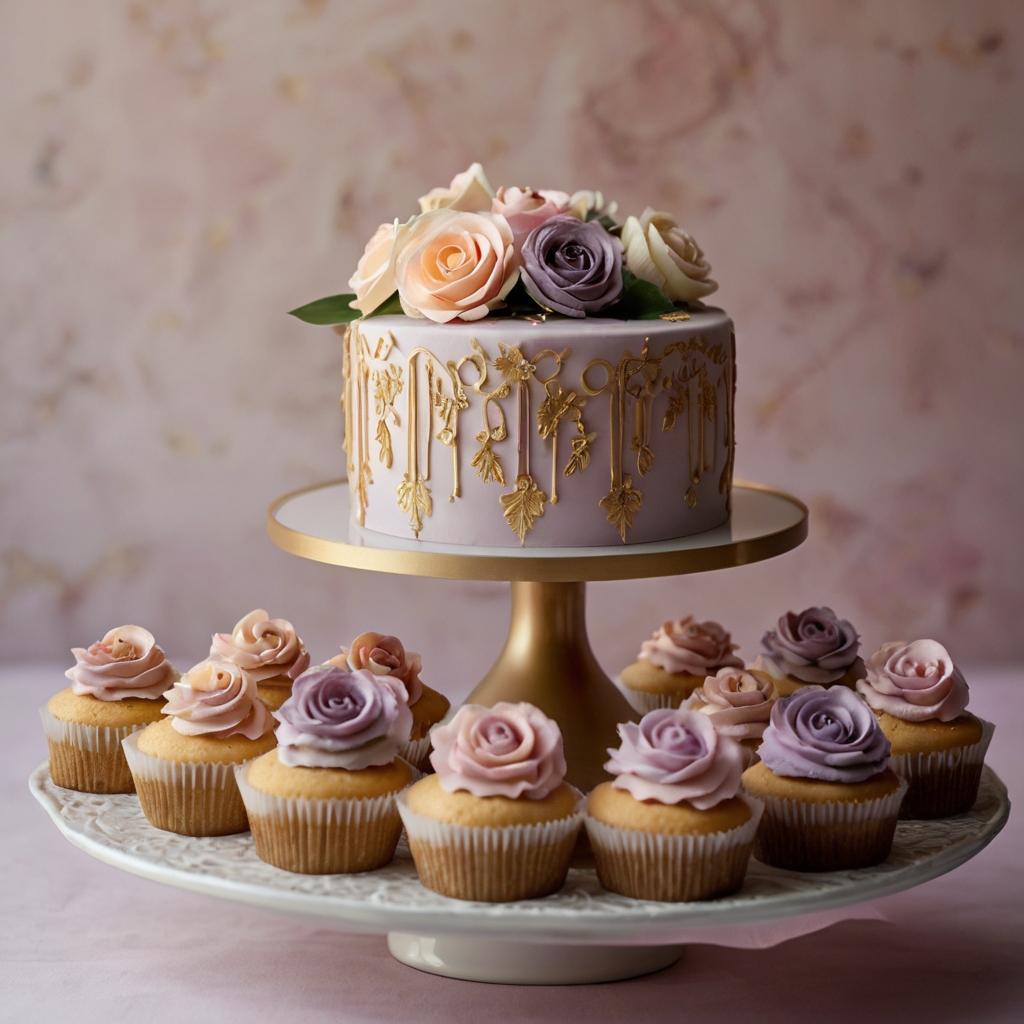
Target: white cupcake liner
642, 701
495, 864
96, 739
320, 836
834, 812
673, 868
943, 782
417, 752
194, 798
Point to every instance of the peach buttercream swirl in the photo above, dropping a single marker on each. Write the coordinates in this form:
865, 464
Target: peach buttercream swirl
263, 646
738, 702
674, 754
384, 655
511, 750
217, 698
127, 662
696, 648
917, 682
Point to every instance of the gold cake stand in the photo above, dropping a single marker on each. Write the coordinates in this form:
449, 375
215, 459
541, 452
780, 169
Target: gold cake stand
547, 659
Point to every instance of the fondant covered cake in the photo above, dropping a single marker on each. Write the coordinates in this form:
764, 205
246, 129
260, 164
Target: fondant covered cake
522, 369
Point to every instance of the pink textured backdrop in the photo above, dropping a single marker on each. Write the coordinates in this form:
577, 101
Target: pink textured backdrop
174, 174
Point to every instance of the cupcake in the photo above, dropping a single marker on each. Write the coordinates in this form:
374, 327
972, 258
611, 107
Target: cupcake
268, 650
386, 656
322, 802
920, 698
672, 825
184, 765
675, 662
117, 686
814, 647
739, 703
830, 799
497, 822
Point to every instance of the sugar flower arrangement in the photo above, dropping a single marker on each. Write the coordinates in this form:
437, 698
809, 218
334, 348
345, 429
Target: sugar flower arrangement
473, 251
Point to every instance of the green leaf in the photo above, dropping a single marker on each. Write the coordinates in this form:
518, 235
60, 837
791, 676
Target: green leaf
335, 309
640, 300
391, 306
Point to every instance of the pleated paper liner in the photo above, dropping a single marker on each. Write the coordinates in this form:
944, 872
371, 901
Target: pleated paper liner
834, 836
673, 868
417, 753
321, 836
945, 782
642, 701
88, 758
190, 798
491, 864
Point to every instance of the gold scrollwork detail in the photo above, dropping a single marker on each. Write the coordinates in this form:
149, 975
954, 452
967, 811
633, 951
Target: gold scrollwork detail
387, 386
486, 461
523, 506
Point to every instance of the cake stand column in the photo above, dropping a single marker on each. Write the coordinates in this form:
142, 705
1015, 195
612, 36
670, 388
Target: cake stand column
547, 661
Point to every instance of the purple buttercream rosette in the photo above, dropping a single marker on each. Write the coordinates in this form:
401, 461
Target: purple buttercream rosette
815, 646
830, 735
571, 266
340, 719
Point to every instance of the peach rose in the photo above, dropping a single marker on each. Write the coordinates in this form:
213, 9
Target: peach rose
526, 208
660, 251
374, 279
469, 191
453, 264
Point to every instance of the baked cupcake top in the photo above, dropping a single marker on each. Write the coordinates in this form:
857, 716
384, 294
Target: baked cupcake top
263, 646
917, 682
814, 646
510, 750
218, 699
126, 663
738, 701
830, 735
384, 655
340, 719
673, 755
696, 648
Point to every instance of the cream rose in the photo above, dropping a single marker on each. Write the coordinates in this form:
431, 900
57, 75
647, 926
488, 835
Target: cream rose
374, 279
453, 264
587, 203
659, 251
527, 208
469, 191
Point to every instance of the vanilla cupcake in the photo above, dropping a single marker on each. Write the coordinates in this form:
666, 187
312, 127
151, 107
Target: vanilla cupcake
322, 802
739, 703
497, 822
386, 656
830, 799
675, 662
672, 825
939, 747
814, 647
268, 650
184, 765
117, 687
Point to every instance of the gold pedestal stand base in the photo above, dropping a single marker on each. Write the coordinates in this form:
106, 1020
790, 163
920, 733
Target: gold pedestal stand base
547, 661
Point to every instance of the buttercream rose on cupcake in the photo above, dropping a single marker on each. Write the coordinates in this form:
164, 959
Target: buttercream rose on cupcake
266, 648
814, 646
384, 656
452, 264
696, 648
219, 699
510, 750
660, 251
739, 703
127, 662
571, 266
916, 682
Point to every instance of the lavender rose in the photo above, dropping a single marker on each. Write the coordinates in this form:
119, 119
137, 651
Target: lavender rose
674, 755
339, 719
917, 682
572, 267
831, 735
815, 646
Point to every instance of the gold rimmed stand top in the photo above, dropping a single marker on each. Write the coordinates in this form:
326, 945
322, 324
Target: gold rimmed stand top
314, 523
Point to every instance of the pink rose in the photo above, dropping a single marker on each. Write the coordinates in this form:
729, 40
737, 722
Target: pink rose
696, 648
217, 698
385, 656
738, 702
526, 208
264, 647
452, 264
510, 750
917, 682
126, 663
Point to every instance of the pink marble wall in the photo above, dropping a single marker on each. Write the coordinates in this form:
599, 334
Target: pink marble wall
174, 174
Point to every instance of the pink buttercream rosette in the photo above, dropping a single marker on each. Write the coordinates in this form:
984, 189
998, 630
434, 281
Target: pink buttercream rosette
917, 682
384, 655
126, 663
696, 648
266, 648
511, 750
738, 702
219, 699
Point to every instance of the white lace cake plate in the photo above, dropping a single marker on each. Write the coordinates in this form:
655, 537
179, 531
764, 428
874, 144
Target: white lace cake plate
580, 934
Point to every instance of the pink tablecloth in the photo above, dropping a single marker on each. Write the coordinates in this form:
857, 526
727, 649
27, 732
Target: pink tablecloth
83, 942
